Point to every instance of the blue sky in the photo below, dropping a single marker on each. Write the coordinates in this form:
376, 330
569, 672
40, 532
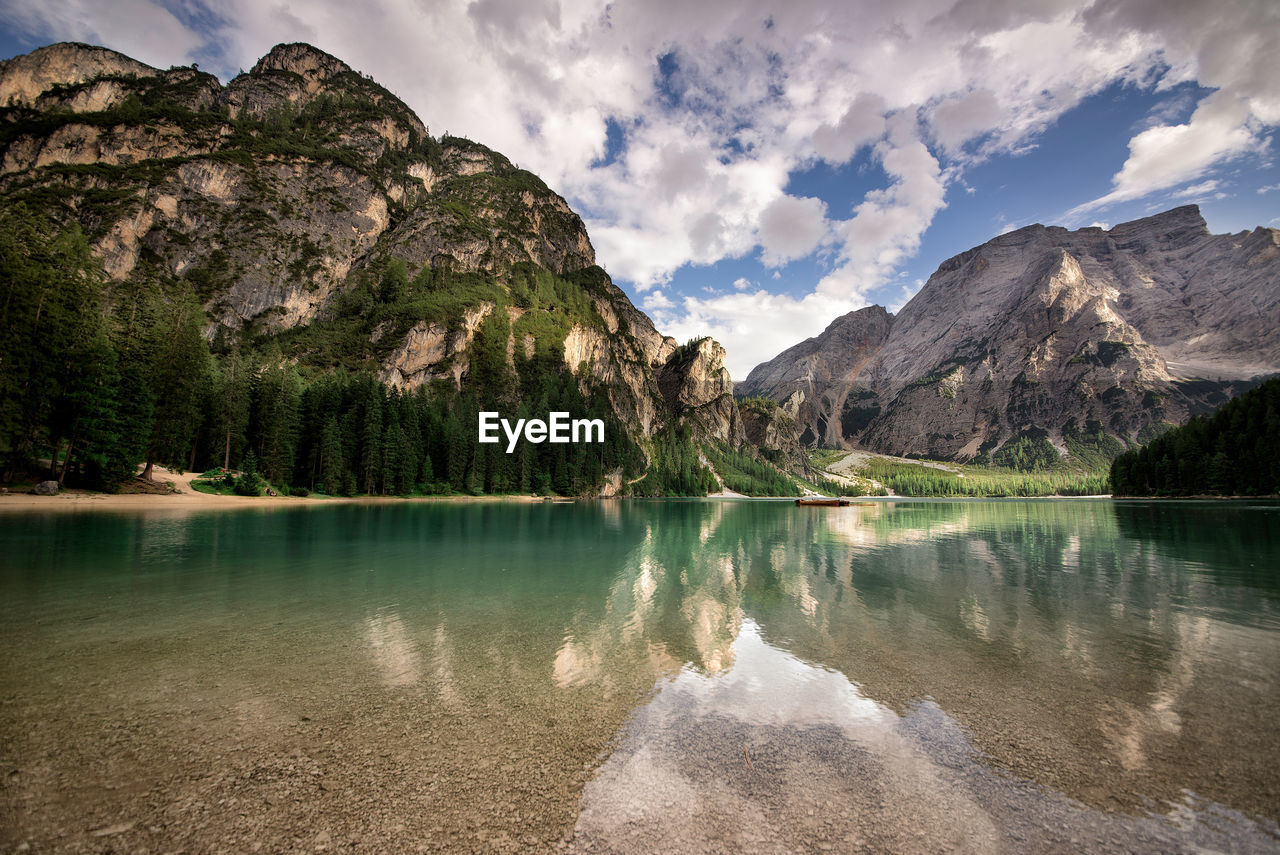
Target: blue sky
750, 169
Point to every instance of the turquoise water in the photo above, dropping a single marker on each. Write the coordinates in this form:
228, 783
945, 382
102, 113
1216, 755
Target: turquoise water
503, 676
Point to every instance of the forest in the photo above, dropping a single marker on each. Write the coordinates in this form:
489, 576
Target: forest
101, 378
1234, 451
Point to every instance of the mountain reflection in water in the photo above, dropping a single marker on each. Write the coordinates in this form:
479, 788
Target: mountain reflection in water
1051, 638
904, 675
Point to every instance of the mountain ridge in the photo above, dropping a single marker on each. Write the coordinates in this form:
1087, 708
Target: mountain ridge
1046, 334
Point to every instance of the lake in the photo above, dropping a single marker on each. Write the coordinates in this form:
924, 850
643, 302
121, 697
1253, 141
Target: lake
643, 676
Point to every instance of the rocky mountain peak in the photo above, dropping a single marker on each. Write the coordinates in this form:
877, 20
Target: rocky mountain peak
1178, 225
25, 78
813, 379
303, 200
1043, 331
697, 388
302, 59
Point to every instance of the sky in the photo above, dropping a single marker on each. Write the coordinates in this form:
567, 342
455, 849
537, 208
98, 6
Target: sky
753, 169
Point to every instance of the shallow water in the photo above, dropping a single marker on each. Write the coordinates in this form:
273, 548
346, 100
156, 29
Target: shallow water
644, 676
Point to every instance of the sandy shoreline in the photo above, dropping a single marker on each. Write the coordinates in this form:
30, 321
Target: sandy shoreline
187, 498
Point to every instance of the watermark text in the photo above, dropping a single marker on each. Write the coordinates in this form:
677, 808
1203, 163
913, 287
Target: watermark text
557, 428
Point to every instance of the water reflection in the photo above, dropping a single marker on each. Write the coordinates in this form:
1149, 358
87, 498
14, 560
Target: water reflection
394, 654
1115, 653
778, 755
1079, 655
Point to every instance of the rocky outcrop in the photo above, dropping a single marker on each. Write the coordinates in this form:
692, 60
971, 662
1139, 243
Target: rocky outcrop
24, 80
698, 390
1045, 331
772, 430
430, 351
269, 192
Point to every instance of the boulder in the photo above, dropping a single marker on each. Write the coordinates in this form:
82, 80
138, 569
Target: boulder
46, 488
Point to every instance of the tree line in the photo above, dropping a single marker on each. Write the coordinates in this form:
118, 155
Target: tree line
1235, 451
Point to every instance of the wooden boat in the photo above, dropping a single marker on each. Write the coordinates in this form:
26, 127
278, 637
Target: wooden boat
823, 502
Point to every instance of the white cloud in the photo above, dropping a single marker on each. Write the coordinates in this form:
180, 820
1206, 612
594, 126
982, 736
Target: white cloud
1167, 155
1204, 188
887, 225
742, 283
656, 301
862, 123
758, 90
1268, 189
958, 120
791, 228
1228, 46
142, 29
754, 326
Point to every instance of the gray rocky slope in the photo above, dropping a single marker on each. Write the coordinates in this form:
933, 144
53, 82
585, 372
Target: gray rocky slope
1044, 332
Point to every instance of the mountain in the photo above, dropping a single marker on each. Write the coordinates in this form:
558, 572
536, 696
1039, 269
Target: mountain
318, 228
1083, 341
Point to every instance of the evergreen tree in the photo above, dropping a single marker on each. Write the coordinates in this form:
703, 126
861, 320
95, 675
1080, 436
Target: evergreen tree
331, 464
229, 406
371, 440
178, 371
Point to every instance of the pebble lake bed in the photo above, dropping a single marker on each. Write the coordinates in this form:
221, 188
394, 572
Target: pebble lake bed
642, 676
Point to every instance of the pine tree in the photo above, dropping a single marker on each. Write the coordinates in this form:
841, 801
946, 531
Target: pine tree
331, 463
371, 440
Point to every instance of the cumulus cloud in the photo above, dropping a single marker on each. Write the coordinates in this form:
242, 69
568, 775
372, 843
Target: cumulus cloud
887, 225
790, 228
1231, 47
957, 120
656, 301
1167, 155
756, 325
142, 29
720, 102
861, 124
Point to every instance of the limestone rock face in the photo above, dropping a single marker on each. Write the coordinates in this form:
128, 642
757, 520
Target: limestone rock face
24, 79
1048, 330
271, 191
697, 388
772, 430
430, 351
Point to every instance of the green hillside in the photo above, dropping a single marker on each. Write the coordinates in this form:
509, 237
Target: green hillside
1233, 452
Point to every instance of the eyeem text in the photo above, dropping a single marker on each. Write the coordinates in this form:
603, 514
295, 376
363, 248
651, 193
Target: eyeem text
558, 427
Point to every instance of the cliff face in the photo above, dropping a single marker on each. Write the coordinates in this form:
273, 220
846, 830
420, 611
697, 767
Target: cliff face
814, 380
280, 198
1046, 331
696, 387
267, 192
772, 429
